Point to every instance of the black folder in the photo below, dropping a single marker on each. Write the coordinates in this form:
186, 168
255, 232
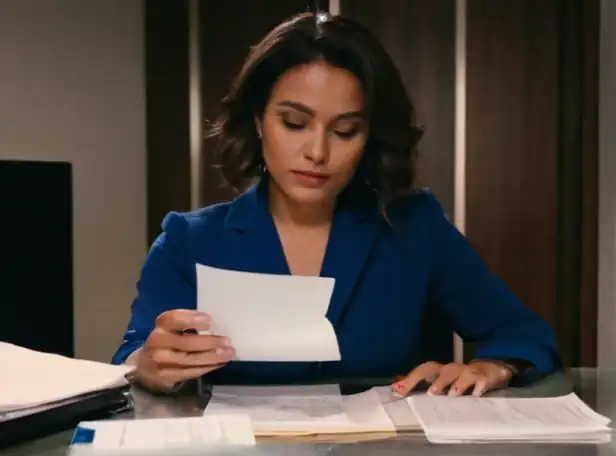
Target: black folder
63, 415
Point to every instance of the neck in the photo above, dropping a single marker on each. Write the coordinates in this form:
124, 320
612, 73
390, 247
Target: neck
289, 212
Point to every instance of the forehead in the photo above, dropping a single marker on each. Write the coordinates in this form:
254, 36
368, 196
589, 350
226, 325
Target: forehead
324, 88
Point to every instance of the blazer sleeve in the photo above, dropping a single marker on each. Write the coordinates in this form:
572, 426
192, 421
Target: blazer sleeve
167, 282
480, 307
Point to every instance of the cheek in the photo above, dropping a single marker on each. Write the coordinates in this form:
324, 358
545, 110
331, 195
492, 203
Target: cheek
347, 156
278, 146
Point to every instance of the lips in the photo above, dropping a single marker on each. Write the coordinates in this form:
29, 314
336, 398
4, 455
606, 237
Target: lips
310, 178
311, 174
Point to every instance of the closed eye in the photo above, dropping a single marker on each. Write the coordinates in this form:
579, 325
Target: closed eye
348, 134
293, 126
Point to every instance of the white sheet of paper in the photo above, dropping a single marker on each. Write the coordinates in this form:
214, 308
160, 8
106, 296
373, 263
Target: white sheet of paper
30, 378
398, 410
269, 317
170, 433
457, 419
302, 409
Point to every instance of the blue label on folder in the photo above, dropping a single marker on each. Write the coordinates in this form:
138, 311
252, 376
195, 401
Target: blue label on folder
83, 436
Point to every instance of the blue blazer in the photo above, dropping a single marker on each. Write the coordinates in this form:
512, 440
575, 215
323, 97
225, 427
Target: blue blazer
401, 289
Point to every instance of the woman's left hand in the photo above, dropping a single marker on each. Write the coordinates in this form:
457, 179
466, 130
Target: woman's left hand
480, 376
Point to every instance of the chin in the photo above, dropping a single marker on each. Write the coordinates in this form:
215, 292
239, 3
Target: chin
310, 195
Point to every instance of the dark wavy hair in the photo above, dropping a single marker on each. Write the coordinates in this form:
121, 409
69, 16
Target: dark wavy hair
386, 170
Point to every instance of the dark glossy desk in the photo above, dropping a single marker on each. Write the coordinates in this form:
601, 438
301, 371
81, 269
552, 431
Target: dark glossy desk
597, 388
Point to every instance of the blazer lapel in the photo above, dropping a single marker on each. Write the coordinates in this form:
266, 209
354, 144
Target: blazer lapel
351, 241
254, 242
255, 245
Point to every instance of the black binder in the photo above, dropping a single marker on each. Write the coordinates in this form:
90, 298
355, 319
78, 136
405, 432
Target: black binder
64, 415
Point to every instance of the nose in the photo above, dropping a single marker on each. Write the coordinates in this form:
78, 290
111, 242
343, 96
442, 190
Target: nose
318, 150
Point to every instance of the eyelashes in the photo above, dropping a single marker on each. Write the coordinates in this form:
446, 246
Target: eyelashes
343, 134
348, 134
293, 126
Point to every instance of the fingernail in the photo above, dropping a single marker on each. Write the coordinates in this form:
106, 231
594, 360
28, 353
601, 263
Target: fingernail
433, 390
225, 352
202, 319
398, 387
454, 392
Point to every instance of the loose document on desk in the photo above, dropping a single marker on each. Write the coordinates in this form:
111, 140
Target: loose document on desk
315, 409
484, 419
32, 381
269, 317
161, 436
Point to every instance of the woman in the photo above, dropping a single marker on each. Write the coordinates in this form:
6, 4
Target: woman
319, 116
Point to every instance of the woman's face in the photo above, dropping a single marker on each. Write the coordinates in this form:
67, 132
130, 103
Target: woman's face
313, 132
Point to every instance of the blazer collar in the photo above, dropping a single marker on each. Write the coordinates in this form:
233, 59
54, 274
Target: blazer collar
248, 205
253, 206
256, 245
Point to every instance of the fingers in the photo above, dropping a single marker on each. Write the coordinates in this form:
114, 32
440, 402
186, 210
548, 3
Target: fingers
165, 357
497, 376
170, 356
180, 319
458, 378
160, 338
469, 378
425, 372
160, 368
447, 375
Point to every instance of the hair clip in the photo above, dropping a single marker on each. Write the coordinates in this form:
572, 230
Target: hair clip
321, 17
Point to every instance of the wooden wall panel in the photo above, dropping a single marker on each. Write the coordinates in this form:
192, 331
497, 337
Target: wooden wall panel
590, 15
512, 143
167, 110
530, 176
420, 36
225, 41
228, 28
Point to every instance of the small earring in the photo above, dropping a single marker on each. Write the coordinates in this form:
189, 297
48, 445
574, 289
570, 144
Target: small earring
259, 134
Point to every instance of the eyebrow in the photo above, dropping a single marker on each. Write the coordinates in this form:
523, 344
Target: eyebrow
305, 109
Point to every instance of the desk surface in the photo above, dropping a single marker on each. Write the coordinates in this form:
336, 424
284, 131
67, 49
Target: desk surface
596, 387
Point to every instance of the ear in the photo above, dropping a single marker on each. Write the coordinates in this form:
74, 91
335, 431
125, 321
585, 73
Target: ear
258, 127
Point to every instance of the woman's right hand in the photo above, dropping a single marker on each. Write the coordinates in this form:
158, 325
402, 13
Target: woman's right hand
169, 357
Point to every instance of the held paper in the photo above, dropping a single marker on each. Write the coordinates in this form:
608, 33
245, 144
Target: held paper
269, 317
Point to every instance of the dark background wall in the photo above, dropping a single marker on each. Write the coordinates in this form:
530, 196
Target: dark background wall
531, 184
222, 58
420, 36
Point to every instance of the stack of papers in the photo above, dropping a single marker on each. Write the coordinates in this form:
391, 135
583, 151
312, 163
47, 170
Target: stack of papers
269, 317
398, 410
470, 419
32, 381
154, 436
304, 410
